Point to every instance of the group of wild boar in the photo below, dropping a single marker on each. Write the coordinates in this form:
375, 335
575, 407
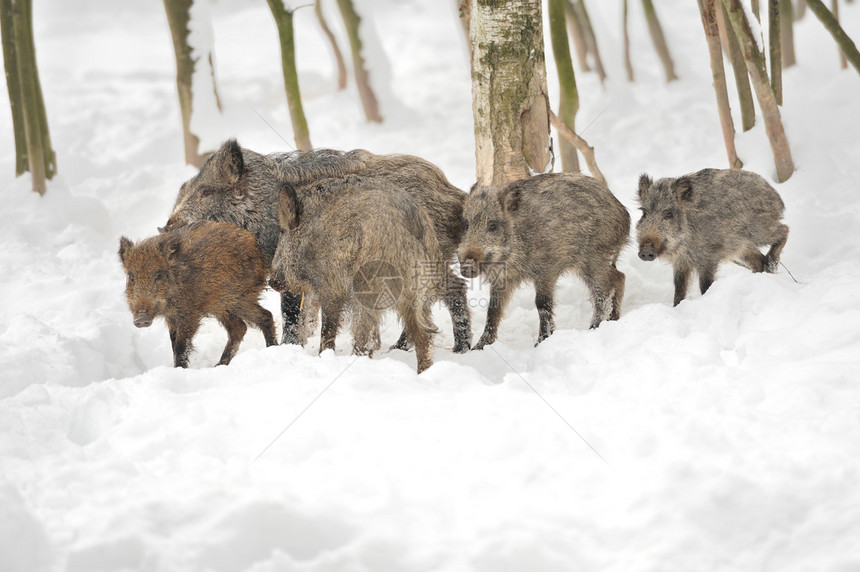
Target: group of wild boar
351, 234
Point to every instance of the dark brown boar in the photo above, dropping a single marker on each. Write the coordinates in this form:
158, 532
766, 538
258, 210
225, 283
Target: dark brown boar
204, 269
362, 246
537, 229
242, 187
702, 219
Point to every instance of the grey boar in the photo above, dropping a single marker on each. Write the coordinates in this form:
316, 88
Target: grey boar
242, 187
204, 269
537, 229
361, 245
702, 219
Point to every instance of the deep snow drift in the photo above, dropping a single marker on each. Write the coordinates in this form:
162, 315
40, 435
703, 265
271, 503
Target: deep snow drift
723, 434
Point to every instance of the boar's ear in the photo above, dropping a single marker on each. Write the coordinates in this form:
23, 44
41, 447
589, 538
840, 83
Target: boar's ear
683, 189
510, 199
645, 183
229, 162
171, 246
289, 208
124, 245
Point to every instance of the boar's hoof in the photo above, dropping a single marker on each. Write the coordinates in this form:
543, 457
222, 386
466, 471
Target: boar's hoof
461, 347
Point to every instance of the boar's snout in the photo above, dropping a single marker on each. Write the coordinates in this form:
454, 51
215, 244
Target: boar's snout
469, 265
647, 252
142, 320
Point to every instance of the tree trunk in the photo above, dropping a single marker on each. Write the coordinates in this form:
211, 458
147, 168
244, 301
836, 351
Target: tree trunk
33, 148
464, 10
509, 102
569, 102
178, 16
755, 10
284, 20
786, 33
574, 26
712, 33
845, 43
766, 100
628, 63
659, 40
834, 7
338, 55
739, 68
775, 45
362, 78
590, 38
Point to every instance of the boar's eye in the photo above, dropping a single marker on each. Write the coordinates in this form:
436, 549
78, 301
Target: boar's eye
206, 191
464, 223
160, 275
668, 215
492, 226
130, 277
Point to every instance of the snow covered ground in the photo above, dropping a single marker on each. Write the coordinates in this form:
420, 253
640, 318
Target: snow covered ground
721, 435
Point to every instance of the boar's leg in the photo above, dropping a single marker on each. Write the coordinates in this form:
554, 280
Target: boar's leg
365, 333
682, 279
181, 333
772, 256
236, 329
403, 342
331, 312
309, 316
618, 279
290, 305
499, 296
419, 335
544, 300
753, 259
707, 274
458, 306
256, 315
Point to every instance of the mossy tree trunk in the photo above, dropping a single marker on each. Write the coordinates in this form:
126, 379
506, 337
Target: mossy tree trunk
832, 24
284, 20
739, 68
775, 45
33, 150
569, 101
659, 40
335, 48
509, 102
764, 93
352, 21
178, 17
712, 33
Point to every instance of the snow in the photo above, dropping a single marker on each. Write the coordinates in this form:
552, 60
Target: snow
723, 434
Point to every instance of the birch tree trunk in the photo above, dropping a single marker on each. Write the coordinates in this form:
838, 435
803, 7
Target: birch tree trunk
712, 33
509, 100
284, 20
33, 150
569, 102
764, 93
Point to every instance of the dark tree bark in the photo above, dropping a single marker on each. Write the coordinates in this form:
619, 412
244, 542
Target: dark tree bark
834, 7
590, 39
178, 16
764, 93
775, 45
739, 68
369, 102
569, 102
712, 33
509, 100
338, 55
832, 24
284, 21
659, 40
33, 150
